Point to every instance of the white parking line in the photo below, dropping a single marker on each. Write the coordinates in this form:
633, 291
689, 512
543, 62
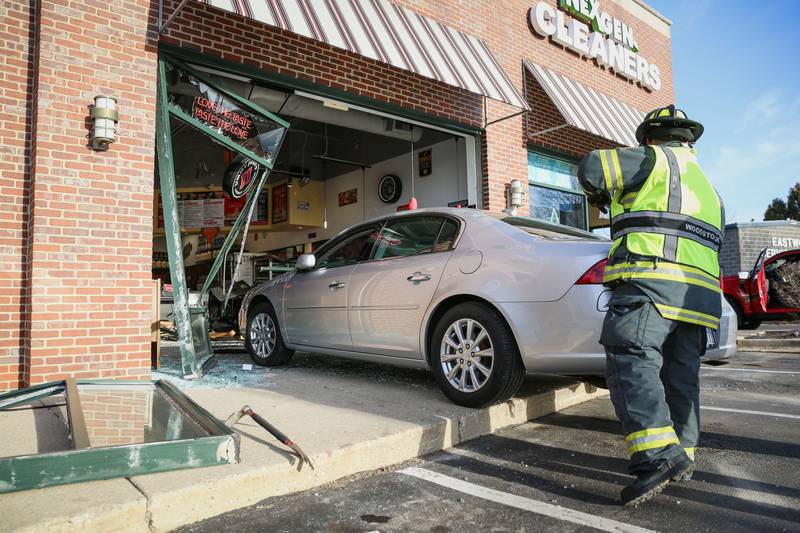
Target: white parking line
748, 412
526, 504
749, 370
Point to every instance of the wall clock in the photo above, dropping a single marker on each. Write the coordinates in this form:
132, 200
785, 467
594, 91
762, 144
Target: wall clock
390, 188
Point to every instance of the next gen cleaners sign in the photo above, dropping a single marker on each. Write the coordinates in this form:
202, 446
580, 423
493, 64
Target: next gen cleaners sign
596, 34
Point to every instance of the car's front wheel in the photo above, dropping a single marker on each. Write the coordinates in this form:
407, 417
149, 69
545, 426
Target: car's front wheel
263, 337
474, 356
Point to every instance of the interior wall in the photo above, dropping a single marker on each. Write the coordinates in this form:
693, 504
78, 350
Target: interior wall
446, 183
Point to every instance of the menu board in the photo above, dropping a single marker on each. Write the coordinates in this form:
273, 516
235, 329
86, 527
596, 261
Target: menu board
213, 209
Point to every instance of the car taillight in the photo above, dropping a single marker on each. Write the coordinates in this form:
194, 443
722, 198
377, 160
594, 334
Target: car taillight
593, 276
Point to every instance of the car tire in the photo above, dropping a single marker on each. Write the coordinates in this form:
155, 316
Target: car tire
468, 384
263, 338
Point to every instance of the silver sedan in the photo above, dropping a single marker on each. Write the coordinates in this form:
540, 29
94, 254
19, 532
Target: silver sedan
479, 298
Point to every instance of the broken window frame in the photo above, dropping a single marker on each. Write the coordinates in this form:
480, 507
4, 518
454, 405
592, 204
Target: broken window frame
85, 463
191, 321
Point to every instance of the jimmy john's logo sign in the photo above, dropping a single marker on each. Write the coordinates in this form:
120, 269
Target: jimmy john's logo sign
594, 33
240, 178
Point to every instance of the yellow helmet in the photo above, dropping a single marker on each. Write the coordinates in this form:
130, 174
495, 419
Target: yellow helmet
669, 123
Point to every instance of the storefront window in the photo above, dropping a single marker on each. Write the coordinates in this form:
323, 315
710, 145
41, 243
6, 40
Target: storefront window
206, 105
554, 191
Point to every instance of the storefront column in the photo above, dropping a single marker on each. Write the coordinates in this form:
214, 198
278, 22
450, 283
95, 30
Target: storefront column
505, 157
89, 237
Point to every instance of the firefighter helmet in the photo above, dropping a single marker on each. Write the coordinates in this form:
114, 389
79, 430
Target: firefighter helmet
669, 123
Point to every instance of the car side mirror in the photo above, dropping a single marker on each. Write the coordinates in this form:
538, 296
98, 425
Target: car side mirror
306, 262
744, 276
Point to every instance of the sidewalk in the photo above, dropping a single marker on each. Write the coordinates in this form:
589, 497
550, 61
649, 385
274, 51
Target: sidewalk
348, 416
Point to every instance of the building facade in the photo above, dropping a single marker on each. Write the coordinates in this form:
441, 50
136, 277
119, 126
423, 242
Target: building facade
79, 226
744, 241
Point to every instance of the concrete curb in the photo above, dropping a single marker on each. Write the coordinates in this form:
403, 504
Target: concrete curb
769, 345
165, 510
170, 510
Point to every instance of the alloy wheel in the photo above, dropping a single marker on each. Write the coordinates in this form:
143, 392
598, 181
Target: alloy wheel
467, 355
263, 335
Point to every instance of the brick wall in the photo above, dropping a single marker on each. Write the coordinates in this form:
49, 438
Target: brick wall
80, 220
17, 38
76, 241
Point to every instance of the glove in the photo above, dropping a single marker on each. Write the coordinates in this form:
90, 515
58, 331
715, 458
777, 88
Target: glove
599, 200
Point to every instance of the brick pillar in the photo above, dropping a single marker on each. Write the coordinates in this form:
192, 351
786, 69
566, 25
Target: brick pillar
89, 235
505, 157
17, 39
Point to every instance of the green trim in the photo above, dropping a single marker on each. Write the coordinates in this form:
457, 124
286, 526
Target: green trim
172, 230
219, 446
230, 94
181, 114
294, 83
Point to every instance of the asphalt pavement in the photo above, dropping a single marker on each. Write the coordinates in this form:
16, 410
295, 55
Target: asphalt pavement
564, 473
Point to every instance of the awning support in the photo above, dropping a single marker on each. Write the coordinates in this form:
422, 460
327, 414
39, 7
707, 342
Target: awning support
486, 115
163, 27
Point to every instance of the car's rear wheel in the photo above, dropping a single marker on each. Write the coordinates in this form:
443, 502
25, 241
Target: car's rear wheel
474, 356
263, 339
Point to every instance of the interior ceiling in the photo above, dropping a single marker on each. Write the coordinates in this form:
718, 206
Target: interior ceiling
308, 138
198, 160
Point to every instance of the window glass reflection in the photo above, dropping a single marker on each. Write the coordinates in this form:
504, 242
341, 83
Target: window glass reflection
244, 126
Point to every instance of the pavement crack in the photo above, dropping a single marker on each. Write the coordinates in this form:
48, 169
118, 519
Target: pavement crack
148, 516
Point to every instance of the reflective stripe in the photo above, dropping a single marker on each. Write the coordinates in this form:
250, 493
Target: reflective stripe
685, 315
665, 272
690, 452
672, 266
628, 199
650, 439
606, 172
648, 432
615, 167
670, 251
663, 223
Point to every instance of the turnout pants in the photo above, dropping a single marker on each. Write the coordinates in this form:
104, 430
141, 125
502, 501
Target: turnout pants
652, 372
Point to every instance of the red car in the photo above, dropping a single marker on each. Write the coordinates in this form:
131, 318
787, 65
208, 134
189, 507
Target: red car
752, 295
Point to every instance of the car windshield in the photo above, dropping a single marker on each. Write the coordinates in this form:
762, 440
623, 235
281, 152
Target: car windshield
546, 230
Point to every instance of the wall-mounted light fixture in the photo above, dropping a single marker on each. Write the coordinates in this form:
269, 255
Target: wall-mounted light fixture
104, 122
516, 193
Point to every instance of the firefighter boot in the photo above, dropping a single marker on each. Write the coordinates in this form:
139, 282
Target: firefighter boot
649, 483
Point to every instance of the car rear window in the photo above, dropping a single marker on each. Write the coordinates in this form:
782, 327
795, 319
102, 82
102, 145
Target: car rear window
546, 230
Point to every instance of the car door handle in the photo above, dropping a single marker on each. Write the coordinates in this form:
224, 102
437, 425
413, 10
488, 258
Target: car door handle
419, 276
336, 285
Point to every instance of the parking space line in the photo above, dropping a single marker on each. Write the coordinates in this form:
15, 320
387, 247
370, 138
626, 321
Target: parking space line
750, 370
526, 504
748, 412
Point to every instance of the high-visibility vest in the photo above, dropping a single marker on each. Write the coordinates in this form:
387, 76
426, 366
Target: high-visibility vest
671, 228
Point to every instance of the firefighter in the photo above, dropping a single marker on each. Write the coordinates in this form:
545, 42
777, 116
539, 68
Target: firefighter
667, 226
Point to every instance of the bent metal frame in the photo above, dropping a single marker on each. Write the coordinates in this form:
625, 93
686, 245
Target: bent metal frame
191, 321
211, 441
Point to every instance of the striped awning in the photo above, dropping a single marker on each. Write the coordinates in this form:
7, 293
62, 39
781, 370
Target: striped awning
391, 34
587, 109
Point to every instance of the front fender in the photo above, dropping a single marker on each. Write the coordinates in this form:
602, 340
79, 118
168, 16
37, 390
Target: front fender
272, 291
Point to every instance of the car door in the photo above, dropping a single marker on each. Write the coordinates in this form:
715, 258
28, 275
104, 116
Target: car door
315, 302
390, 293
756, 286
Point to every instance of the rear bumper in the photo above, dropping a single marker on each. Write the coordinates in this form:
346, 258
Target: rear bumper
563, 337
560, 337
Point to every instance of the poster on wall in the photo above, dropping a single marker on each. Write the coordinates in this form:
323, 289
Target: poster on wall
425, 163
348, 197
280, 204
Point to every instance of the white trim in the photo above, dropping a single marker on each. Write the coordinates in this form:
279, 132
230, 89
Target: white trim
749, 412
526, 504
